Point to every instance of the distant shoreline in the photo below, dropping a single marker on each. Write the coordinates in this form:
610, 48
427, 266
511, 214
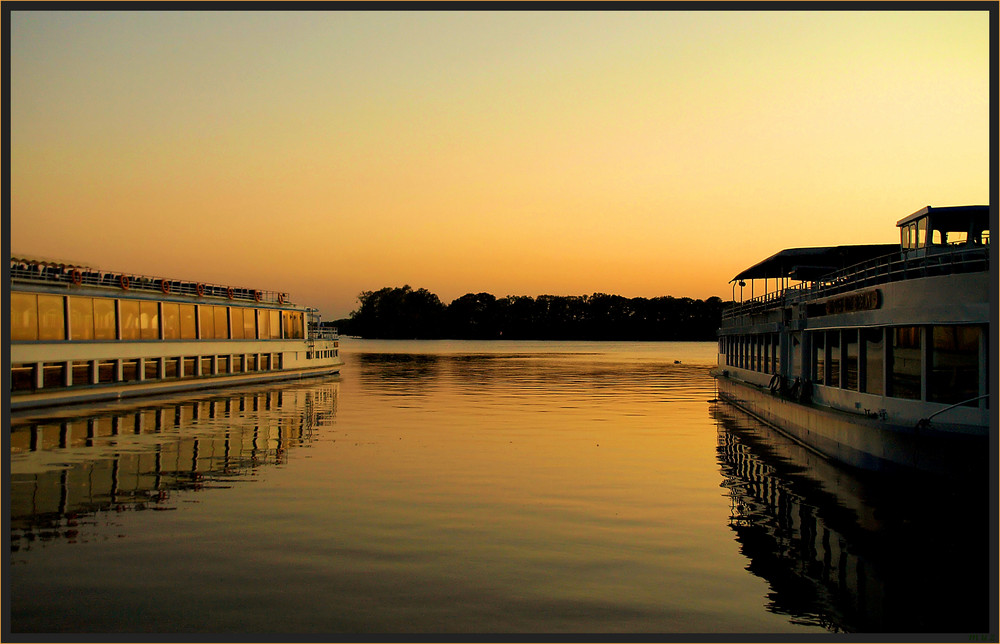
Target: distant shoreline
405, 313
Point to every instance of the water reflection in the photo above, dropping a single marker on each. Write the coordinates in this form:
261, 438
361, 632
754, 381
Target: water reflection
552, 374
66, 469
403, 373
851, 551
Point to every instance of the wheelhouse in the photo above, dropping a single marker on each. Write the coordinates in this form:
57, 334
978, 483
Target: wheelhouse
932, 230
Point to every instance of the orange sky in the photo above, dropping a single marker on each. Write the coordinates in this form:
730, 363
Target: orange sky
643, 154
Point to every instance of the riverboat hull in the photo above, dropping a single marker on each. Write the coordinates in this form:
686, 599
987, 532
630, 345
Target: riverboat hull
858, 441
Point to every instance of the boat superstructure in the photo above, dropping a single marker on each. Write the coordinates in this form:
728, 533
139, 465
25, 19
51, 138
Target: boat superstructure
875, 355
80, 334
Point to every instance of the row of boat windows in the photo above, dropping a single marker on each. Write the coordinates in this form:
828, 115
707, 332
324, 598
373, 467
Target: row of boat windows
51, 375
60, 317
757, 352
934, 363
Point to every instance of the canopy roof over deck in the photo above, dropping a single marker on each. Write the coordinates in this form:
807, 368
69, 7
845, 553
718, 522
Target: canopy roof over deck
810, 264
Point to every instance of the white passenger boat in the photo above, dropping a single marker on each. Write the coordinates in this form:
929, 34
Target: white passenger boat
79, 334
874, 355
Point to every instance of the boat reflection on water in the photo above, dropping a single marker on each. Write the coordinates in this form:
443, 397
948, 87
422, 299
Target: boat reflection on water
68, 467
853, 551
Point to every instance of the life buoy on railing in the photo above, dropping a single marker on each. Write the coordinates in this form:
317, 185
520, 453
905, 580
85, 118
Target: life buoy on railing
199, 288
165, 286
256, 296
281, 298
123, 282
76, 276
229, 292
775, 383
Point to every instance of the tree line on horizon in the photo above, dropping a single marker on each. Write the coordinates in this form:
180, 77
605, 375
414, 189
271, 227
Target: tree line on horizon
404, 313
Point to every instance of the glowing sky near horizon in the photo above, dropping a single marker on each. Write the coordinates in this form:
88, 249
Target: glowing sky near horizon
521, 153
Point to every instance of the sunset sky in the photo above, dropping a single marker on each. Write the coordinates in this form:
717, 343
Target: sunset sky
521, 153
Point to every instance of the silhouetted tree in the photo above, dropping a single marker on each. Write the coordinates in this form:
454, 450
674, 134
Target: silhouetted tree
474, 315
398, 313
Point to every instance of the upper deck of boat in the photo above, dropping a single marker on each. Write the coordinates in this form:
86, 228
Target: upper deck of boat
933, 241
27, 272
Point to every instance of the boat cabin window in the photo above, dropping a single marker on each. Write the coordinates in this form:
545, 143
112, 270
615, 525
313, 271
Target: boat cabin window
819, 357
81, 318
149, 320
23, 316
130, 370
851, 356
891, 361
130, 319
221, 322
833, 358
188, 325
171, 321
250, 324
51, 318
954, 366
22, 377
275, 324
906, 363
105, 319
236, 315
293, 323
53, 374
874, 361
80, 373
263, 323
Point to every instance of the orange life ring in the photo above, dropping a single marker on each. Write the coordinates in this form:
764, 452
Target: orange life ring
281, 298
165, 286
76, 276
229, 292
256, 296
123, 282
199, 289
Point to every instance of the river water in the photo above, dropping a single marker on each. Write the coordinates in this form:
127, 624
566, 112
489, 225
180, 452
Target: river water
475, 487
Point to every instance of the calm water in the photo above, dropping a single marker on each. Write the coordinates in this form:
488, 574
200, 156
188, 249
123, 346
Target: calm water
475, 487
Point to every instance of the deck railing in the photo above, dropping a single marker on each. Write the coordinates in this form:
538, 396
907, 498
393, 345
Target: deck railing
84, 276
324, 333
888, 268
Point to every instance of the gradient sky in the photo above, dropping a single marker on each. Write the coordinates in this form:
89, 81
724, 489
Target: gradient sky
520, 153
